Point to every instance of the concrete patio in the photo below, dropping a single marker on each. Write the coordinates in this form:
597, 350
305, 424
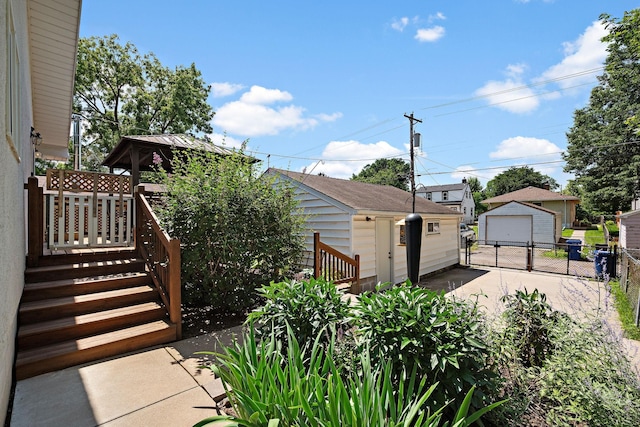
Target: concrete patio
165, 386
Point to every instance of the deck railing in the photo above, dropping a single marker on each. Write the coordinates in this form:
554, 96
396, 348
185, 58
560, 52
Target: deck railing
88, 209
335, 266
162, 255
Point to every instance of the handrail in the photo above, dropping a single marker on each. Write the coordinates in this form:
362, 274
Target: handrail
162, 256
335, 266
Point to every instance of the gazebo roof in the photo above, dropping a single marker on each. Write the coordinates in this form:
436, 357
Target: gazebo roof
135, 152
121, 158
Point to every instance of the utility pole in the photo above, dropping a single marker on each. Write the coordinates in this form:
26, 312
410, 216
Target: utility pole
413, 179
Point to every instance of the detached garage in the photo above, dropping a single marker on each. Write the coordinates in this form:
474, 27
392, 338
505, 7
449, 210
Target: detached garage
519, 223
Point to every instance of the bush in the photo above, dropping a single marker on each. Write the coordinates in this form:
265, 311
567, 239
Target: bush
304, 307
237, 229
561, 371
442, 337
267, 388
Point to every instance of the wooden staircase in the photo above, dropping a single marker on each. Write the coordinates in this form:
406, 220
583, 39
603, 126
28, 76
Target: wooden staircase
86, 306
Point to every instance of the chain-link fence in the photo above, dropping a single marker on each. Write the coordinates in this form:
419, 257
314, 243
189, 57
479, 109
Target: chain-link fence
570, 257
630, 278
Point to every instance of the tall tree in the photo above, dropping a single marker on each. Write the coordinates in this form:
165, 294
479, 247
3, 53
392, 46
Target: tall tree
603, 148
118, 91
478, 195
516, 178
395, 172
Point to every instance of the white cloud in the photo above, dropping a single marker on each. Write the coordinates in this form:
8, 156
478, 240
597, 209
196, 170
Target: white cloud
224, 140
439, 16
582, 58
510, 95
522, 150
430, 34
225, 89
336, 154
586, 53
399, 24
522, 146
253, 115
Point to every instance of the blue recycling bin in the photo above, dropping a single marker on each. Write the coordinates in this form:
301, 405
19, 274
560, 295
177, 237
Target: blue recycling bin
604, 263
573, 247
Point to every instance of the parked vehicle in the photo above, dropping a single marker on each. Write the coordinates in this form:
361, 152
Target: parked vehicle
466, 233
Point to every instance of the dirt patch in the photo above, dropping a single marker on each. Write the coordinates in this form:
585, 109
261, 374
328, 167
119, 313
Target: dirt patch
203, 320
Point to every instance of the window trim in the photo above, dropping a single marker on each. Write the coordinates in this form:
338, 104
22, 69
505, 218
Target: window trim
434, 226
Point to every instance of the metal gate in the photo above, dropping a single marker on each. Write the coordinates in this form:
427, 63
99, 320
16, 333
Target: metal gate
571, 258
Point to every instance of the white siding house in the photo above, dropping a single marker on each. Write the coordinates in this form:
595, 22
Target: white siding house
366, 219
629, 228
454, 196
519, 222
38, 42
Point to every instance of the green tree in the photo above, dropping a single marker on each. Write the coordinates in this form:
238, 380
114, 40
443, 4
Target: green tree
516, 178
603, 150
395, 172
477, 191
120, 92
238, 230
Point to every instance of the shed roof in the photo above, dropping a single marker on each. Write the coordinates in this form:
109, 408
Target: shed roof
531, 194
530, 205
364, 196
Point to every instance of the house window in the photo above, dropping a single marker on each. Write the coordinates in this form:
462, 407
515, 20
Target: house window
445, 195
403, 237
464, 210
433, 228
12, 98
428, 195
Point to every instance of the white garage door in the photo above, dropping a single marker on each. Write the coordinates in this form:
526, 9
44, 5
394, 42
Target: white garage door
510, 228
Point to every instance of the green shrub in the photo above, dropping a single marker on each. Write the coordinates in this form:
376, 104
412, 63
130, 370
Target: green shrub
562, 371
305, 307
237, 229
530, 320
444, 338
305, 388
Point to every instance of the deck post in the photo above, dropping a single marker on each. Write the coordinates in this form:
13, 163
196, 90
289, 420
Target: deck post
35, 221
175, 311
316, 255
138, 192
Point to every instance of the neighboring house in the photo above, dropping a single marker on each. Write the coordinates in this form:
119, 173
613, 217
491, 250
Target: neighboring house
629, 229
37, 64
454, 196
519, 222
367, 219
564, 204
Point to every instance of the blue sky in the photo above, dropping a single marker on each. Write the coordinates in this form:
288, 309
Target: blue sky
324, 86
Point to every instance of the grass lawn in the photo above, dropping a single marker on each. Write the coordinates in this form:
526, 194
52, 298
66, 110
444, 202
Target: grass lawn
593, 237
567, 232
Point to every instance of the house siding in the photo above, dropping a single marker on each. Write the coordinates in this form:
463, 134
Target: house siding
332, 222
14, 173
364, 244
630, 231
437, 251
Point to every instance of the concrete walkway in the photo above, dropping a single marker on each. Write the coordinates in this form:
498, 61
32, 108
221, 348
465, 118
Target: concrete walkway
164, 386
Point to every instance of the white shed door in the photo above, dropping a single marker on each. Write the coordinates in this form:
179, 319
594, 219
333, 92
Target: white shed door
384, 254
512, 228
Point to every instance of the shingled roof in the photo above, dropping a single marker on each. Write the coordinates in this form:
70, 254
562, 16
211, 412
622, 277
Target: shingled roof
531, 194
364, 196
444, 187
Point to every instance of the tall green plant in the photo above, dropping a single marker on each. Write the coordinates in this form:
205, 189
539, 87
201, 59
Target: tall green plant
267, 388
238, 229
443, 337
304, 307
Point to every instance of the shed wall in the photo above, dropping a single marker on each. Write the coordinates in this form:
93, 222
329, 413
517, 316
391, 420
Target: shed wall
544, 224
630, 232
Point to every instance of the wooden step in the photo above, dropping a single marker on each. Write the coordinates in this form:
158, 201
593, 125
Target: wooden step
81, 286
40, 311
80, 255
83, 269
68, 328
50, 358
